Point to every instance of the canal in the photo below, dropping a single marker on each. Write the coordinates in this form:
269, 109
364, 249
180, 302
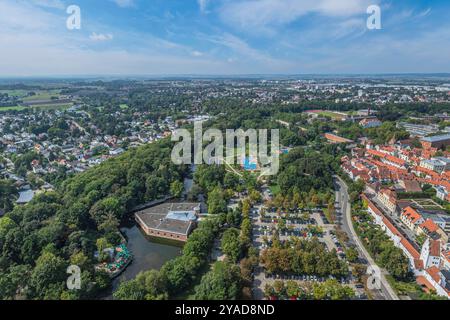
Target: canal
148, 253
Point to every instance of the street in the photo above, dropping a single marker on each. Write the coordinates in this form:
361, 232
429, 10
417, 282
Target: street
342, 198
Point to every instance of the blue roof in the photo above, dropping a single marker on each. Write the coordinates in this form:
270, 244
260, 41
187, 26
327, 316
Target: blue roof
249, 165
437, 138
25, 196
181, 215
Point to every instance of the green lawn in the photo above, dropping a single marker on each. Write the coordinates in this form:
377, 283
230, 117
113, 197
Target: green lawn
43, 95
52, 106
15, 93
14, 108
41, 106
331, 114
123, 106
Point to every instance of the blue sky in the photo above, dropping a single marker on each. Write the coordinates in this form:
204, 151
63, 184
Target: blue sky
153, 37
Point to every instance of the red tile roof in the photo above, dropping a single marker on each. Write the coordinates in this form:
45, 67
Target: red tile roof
411, 214
434, 273
429, 226
435, 248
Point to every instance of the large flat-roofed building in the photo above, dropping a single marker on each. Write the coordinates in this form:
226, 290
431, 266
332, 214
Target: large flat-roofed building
170, 220
440, 141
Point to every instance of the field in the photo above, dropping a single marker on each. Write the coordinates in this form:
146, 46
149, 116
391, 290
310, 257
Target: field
41, 106
14, 108
43, 95
123, 106
325, 113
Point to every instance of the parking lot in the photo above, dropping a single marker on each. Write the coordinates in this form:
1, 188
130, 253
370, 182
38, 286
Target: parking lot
263, 230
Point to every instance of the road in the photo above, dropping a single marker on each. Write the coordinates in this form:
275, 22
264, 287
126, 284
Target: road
343, 199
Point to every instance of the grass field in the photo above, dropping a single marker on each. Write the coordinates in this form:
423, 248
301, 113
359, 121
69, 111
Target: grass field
15, 93
14, 108
123, 106
331, 114
43, 95
324, 113
41, 106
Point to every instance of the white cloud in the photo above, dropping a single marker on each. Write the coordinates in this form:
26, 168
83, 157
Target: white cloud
203, 5
424, 13
56, 4
101, 37
124, 3
265, 14
196, 53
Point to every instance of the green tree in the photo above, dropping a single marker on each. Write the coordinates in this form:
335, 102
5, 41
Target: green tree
223, 282
216, 201
176, 189
231, 245
49, 274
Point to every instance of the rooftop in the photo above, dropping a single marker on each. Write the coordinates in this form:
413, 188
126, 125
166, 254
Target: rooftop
170, 216
437, 138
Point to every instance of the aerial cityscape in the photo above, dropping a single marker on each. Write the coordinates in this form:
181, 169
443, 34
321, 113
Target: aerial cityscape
129, 172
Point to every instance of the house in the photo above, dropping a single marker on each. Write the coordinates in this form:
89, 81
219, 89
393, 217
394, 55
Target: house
434, 165
411, 218
441, 193
410, 186
431, 253
439, 279
427, 227
388, 198
394, 161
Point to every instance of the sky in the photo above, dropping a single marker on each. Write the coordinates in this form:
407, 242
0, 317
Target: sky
223, 37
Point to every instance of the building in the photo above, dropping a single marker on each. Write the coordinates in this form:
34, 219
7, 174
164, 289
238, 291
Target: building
446, 161
439, 279
441, 193
336, 139
428, 227
411, 218
170, 220
431, 253
409, 186
441, 141
388, 198
434, 165
25, 196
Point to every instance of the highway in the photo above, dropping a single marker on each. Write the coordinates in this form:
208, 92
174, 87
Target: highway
343, 198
